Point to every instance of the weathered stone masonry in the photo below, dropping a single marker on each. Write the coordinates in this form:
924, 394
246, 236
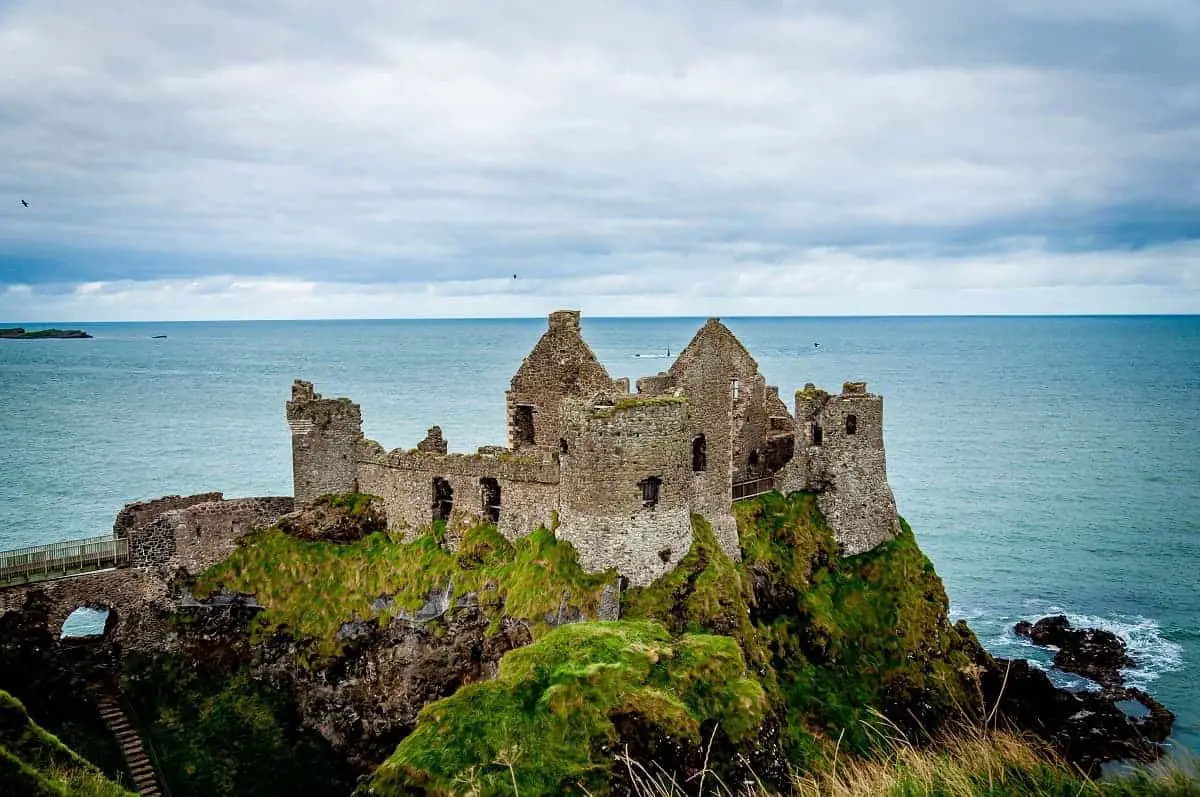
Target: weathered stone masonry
169, 536
623, 472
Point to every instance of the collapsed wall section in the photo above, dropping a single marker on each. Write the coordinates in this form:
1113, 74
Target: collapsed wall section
561, 366
626, 491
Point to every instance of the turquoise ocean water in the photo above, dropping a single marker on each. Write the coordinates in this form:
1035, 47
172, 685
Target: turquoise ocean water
1046, 464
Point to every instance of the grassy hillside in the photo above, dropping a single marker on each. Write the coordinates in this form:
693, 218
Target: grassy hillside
36, 764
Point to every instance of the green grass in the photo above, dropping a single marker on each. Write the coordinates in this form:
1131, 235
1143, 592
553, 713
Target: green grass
849, 637
219, 733
34, 762
310, 589
544, 724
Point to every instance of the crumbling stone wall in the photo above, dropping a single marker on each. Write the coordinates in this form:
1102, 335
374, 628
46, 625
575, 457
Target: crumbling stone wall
404, 480
138, 513
326, 435
137, 599
560, 366
604, 511
840, 453
165, 536
198, 536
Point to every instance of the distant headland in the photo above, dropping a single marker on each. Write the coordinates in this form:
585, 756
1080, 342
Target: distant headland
18, 333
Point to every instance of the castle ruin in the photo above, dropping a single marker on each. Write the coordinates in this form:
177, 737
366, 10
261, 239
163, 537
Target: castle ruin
622, 472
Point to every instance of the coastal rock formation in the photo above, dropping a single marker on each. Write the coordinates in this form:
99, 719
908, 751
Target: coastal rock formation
1091, 652
1087, 728
19, 333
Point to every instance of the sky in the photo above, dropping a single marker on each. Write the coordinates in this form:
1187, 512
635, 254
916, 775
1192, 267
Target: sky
252, 159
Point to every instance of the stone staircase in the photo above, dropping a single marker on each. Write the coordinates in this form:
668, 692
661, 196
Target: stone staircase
145, 781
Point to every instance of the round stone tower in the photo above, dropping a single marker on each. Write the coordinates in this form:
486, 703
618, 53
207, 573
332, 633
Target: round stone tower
626, 487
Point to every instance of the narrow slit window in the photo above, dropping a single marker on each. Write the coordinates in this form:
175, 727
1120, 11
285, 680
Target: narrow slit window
650, 487
562, 445
851, 424
817, 435
733, 384
489, 492
699, 454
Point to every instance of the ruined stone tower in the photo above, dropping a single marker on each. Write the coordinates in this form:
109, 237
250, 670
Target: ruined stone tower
625, 495
326, 434
840, 455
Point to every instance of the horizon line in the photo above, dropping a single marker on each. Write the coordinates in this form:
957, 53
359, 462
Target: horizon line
9, 324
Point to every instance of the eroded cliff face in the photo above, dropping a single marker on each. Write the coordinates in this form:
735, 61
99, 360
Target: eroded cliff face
454, 667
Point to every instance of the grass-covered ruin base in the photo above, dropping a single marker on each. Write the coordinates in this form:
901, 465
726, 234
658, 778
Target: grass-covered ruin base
815, 673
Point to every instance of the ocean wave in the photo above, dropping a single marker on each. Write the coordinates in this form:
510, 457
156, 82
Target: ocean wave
1154, 650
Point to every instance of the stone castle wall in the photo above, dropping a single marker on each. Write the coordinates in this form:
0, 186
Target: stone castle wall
137, 514
326, 435
561, 366
404, 480
845, 462
604, 513
200, 535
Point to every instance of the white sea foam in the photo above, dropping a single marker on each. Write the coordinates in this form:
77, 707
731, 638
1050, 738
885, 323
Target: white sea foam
1152, 652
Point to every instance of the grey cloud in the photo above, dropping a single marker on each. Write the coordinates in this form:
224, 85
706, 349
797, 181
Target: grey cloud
452, 141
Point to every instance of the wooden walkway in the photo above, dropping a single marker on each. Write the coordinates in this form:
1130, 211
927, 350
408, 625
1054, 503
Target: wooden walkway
58, 559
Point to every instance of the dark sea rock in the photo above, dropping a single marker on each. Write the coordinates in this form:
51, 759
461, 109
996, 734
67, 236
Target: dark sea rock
19, 333
1087, 728
1091, 652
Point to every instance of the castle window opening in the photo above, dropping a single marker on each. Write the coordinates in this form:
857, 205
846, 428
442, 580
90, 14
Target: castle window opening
650, 487
489, 491
443, 499
562, 445
817, 434
753, 459
699, 454
736, 388
851, 424
523, 420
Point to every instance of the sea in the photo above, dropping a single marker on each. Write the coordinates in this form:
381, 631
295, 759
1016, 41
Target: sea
1046, 464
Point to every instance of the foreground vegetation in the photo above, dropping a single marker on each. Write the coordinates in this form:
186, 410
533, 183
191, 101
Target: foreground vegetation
33, 763
791, 671
967, 763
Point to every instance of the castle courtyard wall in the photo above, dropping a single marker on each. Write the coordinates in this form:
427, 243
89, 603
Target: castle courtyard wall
404, 480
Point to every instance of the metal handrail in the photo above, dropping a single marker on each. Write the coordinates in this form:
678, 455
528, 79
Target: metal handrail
40, 562
752, 488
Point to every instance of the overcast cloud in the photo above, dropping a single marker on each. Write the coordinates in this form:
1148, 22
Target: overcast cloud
246, 159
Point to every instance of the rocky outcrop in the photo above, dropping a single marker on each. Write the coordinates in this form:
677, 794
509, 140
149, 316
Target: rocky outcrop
1091, 652
1087, 728
18, 333
336, 518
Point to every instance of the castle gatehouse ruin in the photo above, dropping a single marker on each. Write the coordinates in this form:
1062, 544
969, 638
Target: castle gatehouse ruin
620, 471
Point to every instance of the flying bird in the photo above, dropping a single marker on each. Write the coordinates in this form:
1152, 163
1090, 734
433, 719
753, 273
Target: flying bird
23, 202
514, 276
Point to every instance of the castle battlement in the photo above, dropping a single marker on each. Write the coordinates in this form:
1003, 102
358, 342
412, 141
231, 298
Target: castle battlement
622, 472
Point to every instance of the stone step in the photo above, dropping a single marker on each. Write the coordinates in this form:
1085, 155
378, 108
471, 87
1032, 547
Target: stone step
141, 768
